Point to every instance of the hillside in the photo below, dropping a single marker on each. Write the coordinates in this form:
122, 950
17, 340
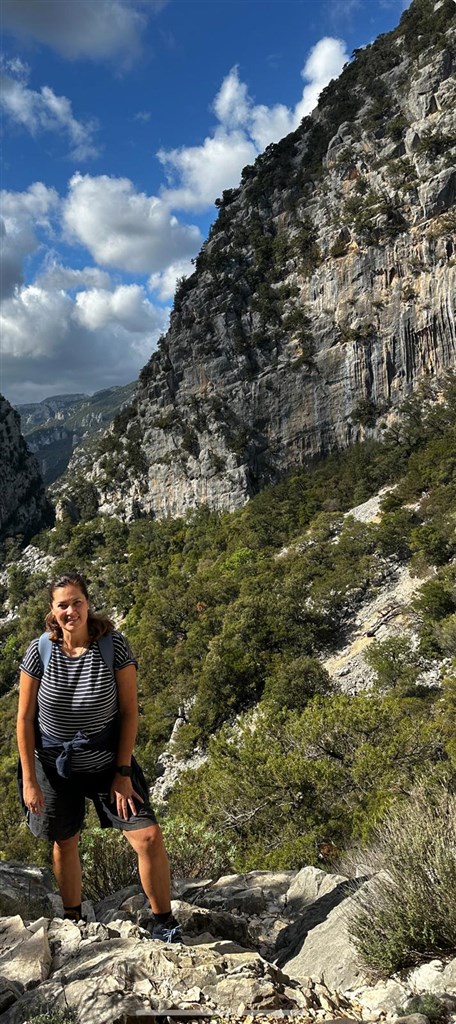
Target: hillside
56, 426
322, 297
289, 606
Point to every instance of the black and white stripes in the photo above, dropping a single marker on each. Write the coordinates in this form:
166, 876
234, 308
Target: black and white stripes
77, 694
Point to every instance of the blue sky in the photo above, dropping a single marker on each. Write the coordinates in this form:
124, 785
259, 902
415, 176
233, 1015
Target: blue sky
122, 121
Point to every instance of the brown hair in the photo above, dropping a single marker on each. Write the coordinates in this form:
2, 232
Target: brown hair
97, 625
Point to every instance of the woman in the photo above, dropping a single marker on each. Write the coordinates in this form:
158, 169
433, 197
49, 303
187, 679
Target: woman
76, 730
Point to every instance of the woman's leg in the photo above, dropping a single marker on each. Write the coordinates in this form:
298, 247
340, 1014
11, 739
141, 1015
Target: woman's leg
153, 866
67, 870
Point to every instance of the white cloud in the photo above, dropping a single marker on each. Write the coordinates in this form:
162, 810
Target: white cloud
164, 282
53, 342
81, 28
56, 276
43, 111
22, 214
202, 172
324, 62
232, 104
35, 205
198, 174
126, 306
124, 228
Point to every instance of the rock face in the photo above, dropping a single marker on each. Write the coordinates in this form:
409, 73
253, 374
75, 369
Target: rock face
323, 296
24, 507
226, 963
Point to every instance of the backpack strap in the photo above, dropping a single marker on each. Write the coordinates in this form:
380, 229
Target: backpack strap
45, 650
106, 649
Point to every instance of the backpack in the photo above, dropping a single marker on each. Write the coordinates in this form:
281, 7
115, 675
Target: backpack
105, 647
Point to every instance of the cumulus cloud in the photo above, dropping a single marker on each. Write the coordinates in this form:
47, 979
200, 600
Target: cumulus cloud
324, 62
202, 172
127, 307
198, 174
55, 343
100, 30
23, 213
164, 282
43, 111
124, 228
55, 275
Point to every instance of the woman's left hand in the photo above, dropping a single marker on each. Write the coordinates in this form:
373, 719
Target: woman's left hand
124, 796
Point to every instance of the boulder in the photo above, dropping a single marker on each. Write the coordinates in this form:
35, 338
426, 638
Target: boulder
312, 895
25, 890
217, 923
25, 953
387, 996
327, 952
436, 976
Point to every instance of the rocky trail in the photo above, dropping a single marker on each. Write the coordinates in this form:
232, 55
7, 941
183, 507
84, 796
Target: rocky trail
259, 946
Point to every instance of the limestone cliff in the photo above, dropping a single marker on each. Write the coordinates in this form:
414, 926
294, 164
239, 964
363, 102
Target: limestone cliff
323, 296
24, 507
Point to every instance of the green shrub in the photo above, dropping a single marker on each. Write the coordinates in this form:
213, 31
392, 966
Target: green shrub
108, 863
394, 661
195, 850
428, 1004
409, 915
65, 1016
293, 682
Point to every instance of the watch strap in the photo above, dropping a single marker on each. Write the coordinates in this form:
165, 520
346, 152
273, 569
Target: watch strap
124, 769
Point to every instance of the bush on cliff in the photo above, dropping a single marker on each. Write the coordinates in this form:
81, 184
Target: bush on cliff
409, 915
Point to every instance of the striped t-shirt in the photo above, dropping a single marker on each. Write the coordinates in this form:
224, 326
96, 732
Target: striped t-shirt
77, 695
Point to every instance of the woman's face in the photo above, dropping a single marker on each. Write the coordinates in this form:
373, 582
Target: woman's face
70, 608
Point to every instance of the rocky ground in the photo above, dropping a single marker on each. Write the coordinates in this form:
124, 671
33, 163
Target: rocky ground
260, 945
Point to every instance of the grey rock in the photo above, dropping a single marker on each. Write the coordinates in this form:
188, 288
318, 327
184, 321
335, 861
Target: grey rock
311, 897
24, 954
328, 954
64, 941
413, 1018
218, 923
436, 976
142, 976
24, 506
115, 901
386, 996
10, 991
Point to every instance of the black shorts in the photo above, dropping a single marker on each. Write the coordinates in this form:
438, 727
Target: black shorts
65, 799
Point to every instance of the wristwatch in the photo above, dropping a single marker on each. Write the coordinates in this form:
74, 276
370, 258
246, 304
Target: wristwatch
124, 769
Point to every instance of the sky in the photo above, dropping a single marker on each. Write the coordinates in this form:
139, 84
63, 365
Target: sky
121, 123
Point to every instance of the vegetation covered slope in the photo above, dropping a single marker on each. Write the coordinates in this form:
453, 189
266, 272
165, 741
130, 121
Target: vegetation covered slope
234, 611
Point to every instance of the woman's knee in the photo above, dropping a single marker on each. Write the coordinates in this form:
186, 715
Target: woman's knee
146, 840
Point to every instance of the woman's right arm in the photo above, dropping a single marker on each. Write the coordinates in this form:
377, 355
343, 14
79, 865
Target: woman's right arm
28, 689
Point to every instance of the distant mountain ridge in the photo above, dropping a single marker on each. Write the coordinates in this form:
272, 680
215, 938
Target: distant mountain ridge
54, 427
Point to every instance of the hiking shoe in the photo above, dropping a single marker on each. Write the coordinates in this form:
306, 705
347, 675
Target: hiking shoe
169, 931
